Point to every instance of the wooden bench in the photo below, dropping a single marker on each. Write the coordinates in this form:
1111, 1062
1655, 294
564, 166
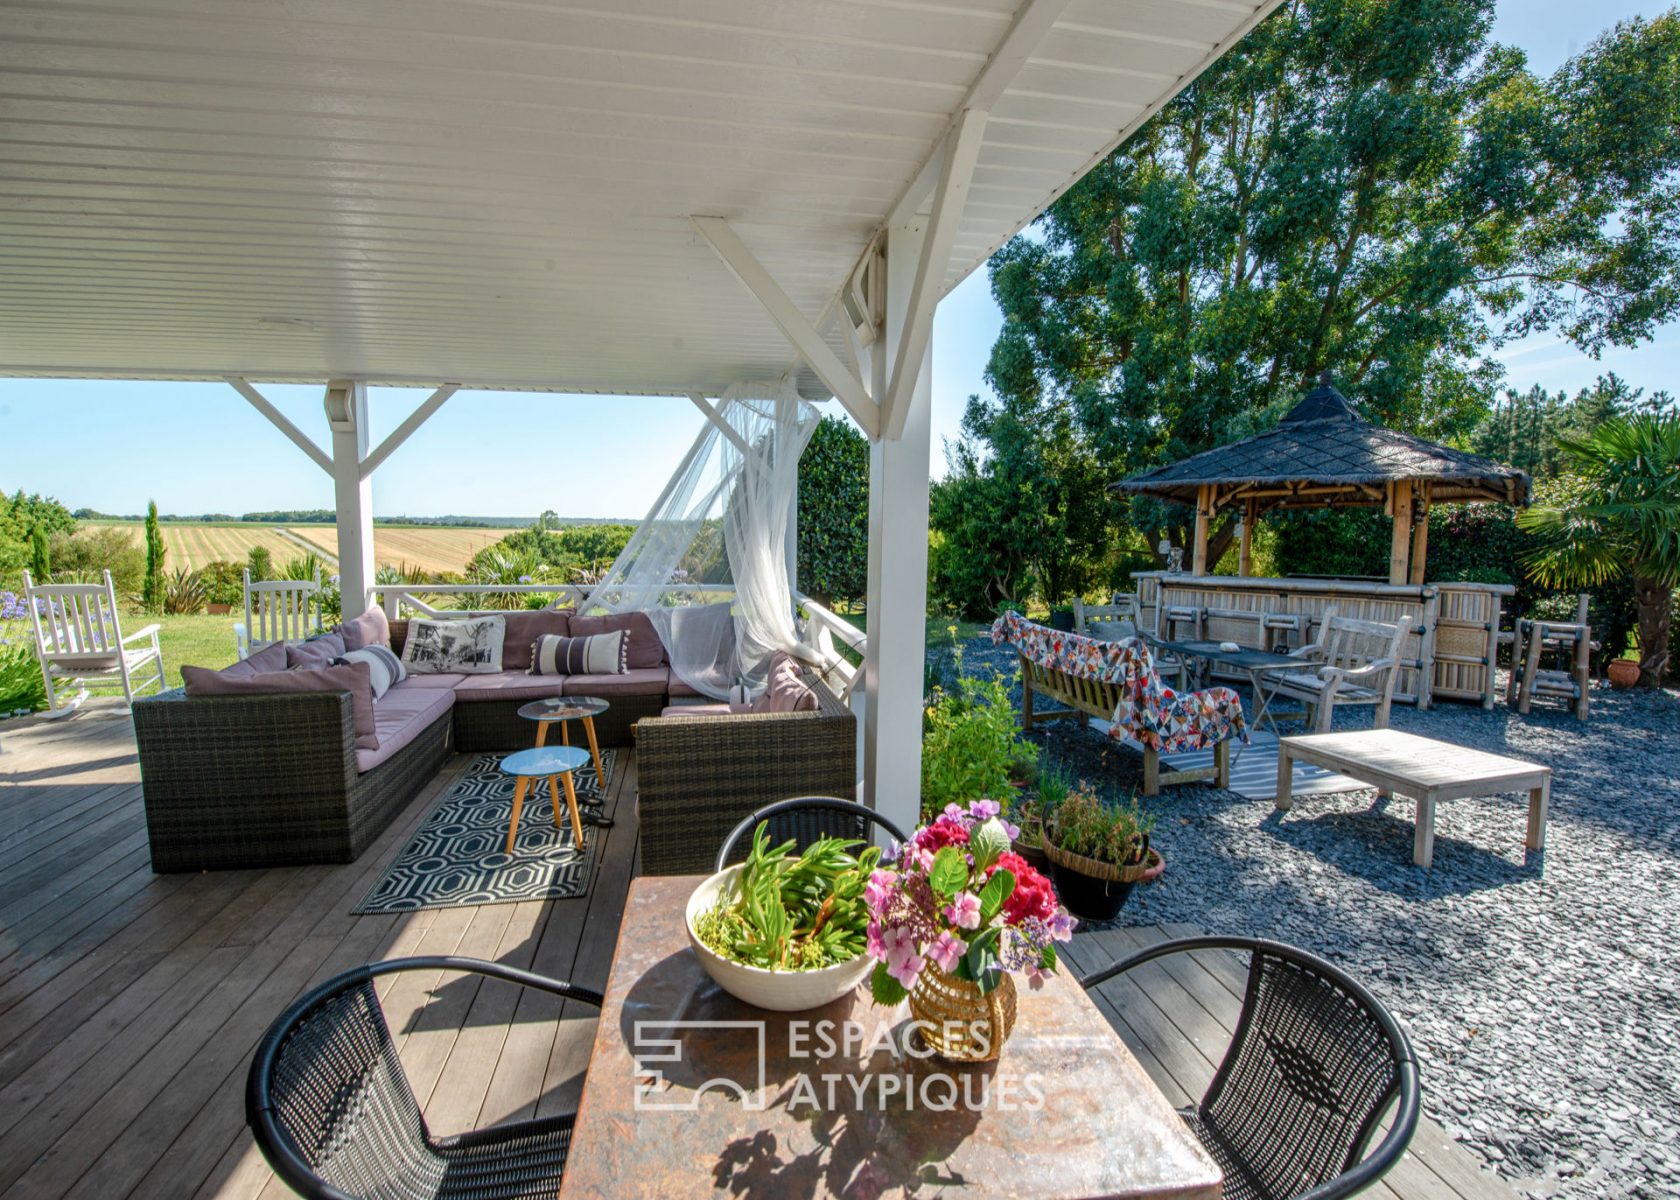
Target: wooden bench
1422, 768
1091, 698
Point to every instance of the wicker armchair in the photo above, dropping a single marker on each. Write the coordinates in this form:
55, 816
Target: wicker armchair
333, 1113
1315, 1062
698, 777
806, 819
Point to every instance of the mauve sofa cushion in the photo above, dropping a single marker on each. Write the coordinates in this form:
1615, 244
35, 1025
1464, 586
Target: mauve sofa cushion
507, 685
697, 710
369, 629
354, 678
316, 652
523, 630
441, 681
679, 690
649, 681
646, 650
399, 717
271, 657
786, 691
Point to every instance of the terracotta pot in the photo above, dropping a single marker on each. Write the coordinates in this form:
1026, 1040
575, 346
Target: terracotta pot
1624, 673
958, 1022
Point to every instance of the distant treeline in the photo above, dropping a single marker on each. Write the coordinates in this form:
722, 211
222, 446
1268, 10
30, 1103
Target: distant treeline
325, 516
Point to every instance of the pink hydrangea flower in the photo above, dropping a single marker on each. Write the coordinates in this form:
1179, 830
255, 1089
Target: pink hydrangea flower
905, 968
964, 911
946, 949
875, 943
879, 890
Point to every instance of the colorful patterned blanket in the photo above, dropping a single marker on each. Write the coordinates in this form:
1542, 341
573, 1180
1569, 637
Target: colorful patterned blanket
1149, 711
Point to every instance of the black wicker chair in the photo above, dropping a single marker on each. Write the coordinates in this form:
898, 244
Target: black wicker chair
805, 819
332, 1111
1314, 1063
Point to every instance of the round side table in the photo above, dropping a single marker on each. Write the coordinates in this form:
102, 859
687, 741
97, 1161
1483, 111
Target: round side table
562, 709
550, 763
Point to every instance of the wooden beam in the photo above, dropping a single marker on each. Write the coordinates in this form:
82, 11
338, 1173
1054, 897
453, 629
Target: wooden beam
1400, 551
1420, 536
962, 151
1204, 512
1033, 20
1245, 548
847, 388
279, 420
401, 433
723, 427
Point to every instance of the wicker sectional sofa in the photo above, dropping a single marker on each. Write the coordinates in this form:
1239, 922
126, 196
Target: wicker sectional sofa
273, 780
698, 775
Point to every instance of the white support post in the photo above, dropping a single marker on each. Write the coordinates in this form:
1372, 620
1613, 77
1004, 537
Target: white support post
347, 415
962, 151
898, 555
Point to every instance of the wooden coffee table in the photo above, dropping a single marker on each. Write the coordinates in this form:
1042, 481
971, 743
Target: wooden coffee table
1422, 768
691, 1093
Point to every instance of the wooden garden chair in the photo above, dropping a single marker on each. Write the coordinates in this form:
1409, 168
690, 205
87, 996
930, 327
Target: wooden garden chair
1353, 662
79, 640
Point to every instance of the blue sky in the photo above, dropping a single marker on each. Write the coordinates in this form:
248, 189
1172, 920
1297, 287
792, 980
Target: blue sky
192, 447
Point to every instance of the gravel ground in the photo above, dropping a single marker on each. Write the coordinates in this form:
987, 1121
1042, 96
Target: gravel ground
1541, 990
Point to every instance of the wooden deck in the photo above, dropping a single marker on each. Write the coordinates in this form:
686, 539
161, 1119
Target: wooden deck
130, 1003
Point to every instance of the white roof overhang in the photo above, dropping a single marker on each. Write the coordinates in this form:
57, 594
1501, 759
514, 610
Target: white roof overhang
498, 193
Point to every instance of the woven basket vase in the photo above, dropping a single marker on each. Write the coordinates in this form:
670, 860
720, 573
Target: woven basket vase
1098, 869
958, 1022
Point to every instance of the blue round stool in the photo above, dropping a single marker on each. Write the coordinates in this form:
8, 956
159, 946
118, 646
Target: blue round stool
545, 762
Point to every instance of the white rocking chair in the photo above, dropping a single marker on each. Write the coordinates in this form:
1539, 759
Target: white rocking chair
278, 610
79, 641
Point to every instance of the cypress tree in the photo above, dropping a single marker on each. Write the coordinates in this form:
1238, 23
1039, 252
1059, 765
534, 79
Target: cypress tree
152, 595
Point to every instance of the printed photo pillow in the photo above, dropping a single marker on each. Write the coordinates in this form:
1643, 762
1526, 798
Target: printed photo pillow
469, 647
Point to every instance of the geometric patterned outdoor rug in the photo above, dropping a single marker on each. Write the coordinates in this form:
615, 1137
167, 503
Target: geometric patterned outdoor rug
458, 854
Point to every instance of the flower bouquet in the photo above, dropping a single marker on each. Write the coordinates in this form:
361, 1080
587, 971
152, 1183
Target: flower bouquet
951, 914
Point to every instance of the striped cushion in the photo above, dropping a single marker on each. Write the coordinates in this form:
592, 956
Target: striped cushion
384, 667
602, 654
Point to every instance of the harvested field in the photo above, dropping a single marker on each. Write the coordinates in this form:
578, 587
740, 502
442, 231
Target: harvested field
192, 545
431, 548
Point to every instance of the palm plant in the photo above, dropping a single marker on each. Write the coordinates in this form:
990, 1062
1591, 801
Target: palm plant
1619, 515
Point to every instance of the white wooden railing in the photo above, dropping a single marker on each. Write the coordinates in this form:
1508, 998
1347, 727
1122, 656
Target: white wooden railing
824, 628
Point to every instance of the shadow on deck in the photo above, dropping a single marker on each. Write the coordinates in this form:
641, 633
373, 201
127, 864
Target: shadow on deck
130, 1003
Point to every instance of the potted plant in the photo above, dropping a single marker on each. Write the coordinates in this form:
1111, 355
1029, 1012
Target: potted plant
972, 747
783, 931
1623, 672
1098, 853
1029, 812
950, 918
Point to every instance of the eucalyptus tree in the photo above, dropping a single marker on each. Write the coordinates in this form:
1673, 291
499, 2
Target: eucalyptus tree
1368, 187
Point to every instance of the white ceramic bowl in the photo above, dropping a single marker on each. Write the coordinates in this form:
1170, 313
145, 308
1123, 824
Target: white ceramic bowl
779, 991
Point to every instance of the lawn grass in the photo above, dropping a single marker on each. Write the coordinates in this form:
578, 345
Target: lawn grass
196, 641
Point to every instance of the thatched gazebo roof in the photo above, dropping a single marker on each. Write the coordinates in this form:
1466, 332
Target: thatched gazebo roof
1324, 454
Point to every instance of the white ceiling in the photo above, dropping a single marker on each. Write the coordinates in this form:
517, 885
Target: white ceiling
497, 192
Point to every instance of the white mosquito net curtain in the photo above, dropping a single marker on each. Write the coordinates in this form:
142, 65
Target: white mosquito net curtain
722, 522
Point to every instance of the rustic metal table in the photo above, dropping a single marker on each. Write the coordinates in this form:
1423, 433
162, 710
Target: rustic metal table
693, 1093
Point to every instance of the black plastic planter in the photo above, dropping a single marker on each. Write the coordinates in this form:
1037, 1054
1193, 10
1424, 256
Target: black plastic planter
1087, 897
